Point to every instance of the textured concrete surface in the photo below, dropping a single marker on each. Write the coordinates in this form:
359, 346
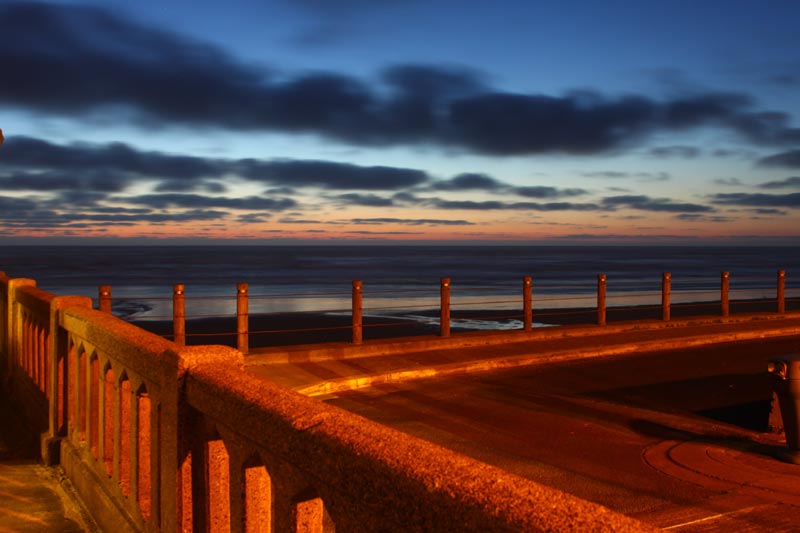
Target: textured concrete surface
664, 424
676, 438
33, 497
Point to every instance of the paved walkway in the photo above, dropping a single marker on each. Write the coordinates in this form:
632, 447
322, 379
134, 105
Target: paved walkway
32, 497
657, 453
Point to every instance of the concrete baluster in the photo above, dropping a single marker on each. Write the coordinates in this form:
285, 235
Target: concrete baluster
357, 312
444, 308
104, 298
527, 303
179, 313
781, 291
724, 295
666, 289
601, 299
242, 318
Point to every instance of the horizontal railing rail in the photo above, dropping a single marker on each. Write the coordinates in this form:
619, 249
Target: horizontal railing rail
278, 318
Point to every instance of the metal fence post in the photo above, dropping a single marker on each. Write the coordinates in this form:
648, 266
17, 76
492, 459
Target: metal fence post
601, 299
444, 309
179, 314
527, 303
242, 319
666, 289
781, 291
104, 298
724, 295
358, 327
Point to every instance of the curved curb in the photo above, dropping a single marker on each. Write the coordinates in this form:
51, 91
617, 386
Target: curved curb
486, 365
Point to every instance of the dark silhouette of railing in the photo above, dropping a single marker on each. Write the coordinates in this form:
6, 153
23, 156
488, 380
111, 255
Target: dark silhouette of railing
449, 308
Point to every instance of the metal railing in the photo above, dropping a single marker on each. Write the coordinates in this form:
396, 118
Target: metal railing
351, 316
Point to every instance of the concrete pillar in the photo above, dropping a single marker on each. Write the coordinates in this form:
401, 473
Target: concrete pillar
357, 312
601, 299
104, 298
242, 319
179, 314
724, 293
59, 382
666, 289
781, 296
444, 307
14, 337
527, 303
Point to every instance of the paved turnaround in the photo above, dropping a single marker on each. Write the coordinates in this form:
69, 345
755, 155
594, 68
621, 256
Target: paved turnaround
666, 424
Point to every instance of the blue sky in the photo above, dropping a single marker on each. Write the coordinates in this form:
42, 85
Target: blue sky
287, 121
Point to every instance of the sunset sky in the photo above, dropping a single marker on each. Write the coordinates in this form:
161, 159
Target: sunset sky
400, 120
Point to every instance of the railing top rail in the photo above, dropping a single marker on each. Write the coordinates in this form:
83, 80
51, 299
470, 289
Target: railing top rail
141, 351
36, 300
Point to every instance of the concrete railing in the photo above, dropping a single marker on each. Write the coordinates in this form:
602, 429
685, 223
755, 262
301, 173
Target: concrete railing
158, 437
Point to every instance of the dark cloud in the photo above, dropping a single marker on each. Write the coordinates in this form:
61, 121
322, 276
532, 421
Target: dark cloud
113, 167
83, 61
789, 159
758, 200
611, 174
28, 152
212, 187
547, 192
470, 182
412, 221
368, 200
289, 220
793, 182
684, 152
163, 201
786, 79
505, 124
329, 175
55, 180
10, 204
253, 218
645, 203
728, 182
483, 182
769, 211
496, 205
365, 232
694, 217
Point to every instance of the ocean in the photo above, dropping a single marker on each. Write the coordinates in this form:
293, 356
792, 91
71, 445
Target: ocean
399, 280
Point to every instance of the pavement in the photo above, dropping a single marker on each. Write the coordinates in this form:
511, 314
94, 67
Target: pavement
654, 420
33, 497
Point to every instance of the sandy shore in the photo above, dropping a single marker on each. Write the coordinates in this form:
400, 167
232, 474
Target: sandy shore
284, 329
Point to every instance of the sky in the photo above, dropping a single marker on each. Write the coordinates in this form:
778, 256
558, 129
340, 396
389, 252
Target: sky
400, 121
